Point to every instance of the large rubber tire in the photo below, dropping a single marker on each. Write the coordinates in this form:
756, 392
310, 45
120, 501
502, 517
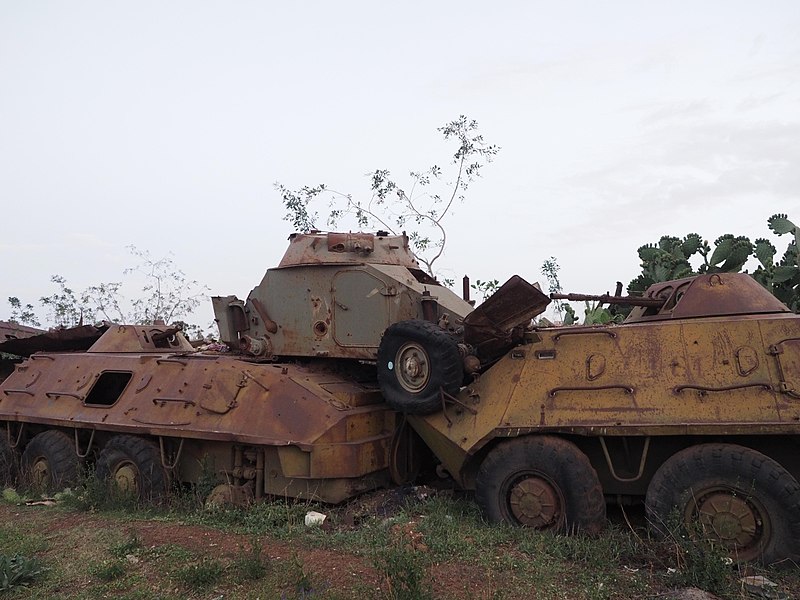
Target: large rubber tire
49, 462
733, 495
9, 462
133, 466
416, 360
543, 482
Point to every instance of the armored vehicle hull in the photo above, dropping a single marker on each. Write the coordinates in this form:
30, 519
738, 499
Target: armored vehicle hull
296, 430
692, 405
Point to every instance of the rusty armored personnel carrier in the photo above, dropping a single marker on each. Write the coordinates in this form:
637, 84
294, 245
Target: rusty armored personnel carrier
692, 405
296, 411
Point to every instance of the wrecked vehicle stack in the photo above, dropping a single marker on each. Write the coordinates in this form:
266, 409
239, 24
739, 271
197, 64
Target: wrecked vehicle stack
348, 360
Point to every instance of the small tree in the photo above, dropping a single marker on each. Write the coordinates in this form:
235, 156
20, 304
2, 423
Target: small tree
22, 314
167, 295
550, 269
65, 308
422, 204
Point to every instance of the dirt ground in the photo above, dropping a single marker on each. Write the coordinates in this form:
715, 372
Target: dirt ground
339, 570
76, 540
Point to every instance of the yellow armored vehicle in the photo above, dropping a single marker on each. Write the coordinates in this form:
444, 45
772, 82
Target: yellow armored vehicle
691, 405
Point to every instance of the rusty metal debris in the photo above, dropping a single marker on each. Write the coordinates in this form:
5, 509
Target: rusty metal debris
55, 340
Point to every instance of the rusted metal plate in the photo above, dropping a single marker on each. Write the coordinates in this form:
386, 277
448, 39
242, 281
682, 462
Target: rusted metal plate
56, 340
14, 331
489, 327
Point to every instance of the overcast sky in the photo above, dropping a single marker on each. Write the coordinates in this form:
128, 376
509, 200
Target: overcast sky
165, 124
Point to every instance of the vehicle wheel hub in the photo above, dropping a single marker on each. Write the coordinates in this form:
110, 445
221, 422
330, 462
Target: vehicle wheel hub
126, 480
413, 369
735, 521
535, 503
40, 472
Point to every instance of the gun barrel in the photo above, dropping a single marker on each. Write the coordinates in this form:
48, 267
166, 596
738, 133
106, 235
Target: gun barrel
608, 299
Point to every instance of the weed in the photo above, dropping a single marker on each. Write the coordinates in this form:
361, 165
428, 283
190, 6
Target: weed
405, 572
91, 494
107, 571
278, 519
200, 575
455, 528
700, 559
188, 497
18, 571
604, 551
302, 578
129, 546
207, 480
252, 564
304, 588
704, 564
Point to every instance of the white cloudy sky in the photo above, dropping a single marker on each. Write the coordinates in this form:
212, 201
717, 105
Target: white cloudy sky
165, 124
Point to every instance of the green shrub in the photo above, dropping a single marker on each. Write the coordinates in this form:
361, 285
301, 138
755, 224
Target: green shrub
18, 571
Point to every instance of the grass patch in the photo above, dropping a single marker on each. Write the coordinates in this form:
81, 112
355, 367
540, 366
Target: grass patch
92, 494
107, 570
405, 572
201, 575
278, 519
129, 546
15, 539
168, 554
438, 549
251, 564
303, 587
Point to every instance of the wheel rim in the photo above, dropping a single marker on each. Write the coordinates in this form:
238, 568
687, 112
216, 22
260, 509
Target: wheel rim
737, 521
535, 501
40, 472
413, 367
126, 478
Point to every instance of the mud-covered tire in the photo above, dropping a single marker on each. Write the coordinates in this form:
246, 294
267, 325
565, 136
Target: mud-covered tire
49, 462
733, 495
9, 462
543, 482
132, 466
416, 360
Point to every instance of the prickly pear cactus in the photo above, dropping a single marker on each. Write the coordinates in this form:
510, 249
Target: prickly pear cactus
669, 259
781, 278
729, 256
